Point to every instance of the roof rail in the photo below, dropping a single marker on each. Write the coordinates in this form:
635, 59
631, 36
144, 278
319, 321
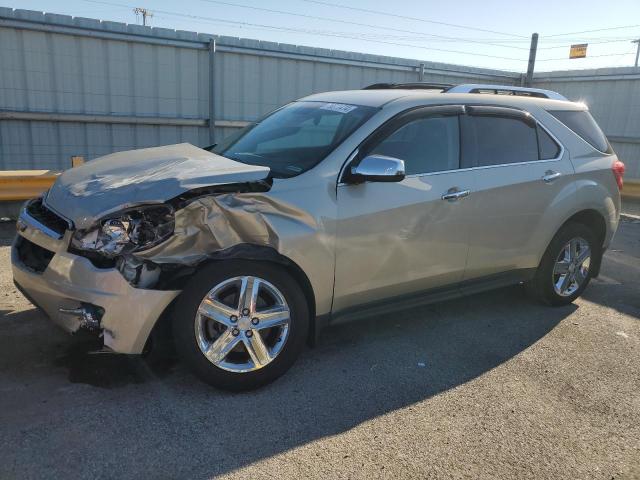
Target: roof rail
470, 88
409, 86
505, 90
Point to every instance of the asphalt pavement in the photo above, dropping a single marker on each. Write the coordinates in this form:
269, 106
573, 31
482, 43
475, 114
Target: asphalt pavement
491, 386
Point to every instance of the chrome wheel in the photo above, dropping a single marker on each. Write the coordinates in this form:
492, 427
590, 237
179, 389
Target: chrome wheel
242, 324
572, 267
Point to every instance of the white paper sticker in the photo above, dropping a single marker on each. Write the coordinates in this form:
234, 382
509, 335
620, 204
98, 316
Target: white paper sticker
338, 107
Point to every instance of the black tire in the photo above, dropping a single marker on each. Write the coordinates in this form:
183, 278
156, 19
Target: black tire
541, 287
186, 307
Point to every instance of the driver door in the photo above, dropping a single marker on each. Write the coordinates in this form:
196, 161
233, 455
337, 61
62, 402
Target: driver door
397, 239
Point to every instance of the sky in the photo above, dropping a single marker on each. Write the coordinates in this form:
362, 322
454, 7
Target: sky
490, 33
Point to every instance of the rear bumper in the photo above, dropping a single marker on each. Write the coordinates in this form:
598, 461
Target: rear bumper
69, 281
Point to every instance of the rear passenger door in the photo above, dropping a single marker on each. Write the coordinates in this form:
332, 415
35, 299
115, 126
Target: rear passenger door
521, 171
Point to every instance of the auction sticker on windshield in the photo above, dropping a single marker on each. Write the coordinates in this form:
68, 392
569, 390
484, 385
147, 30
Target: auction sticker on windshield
338, 107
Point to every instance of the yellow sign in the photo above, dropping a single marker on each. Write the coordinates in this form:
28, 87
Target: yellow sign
578, 51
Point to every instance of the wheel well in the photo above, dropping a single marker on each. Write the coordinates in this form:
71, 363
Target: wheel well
301, 278
243, 252
596, 223
592, 219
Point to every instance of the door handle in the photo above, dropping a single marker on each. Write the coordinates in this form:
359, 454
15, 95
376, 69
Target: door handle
455, 195
550, 176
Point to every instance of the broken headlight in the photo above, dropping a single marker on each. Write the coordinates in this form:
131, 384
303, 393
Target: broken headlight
128, 231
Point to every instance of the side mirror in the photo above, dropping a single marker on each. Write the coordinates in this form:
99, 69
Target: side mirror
378, 168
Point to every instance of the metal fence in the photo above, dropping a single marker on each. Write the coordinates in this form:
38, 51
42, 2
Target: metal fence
79, 86
613, 97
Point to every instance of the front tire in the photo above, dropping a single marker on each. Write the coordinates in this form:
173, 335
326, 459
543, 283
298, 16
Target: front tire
240, 324
565, 269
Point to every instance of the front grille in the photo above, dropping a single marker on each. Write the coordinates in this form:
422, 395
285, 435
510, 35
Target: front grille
33, 256
39, 212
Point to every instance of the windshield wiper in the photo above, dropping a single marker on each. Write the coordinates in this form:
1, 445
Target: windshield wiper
250, 154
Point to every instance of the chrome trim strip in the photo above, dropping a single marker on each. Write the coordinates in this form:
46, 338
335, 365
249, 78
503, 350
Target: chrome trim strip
33, 223
350, 158
483, 167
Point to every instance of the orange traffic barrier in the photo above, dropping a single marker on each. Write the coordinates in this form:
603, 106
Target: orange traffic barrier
631, 189
25, 184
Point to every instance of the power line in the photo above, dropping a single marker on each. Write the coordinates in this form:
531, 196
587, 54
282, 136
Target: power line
332, 33
359, 24
311, 32
590, 56
354, 35
589, 31
350, 35
417, 19
556, 39
590, 43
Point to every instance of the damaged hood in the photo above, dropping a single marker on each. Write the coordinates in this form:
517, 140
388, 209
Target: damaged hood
150, 175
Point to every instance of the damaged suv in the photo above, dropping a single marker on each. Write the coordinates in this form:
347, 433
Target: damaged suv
336, 206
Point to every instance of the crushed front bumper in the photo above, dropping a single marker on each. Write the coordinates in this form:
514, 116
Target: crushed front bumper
68, 282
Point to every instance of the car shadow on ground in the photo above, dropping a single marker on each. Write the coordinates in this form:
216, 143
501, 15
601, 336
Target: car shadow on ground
175, 426
119, 416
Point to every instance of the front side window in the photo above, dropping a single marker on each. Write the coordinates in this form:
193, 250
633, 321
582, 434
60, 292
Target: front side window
296, 137
583, 124
426, 145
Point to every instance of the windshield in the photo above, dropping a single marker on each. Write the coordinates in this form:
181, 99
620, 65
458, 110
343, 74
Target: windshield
296, 137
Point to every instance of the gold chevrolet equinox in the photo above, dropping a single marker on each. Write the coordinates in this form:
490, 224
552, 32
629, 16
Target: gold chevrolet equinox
337, 206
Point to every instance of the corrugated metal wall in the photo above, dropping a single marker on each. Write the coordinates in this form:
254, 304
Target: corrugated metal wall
77, 86
613, 97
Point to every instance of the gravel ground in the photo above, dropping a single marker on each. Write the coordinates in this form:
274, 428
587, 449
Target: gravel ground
492, 386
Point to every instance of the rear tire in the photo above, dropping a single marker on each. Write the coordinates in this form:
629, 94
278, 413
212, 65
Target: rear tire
564, 271
231, 341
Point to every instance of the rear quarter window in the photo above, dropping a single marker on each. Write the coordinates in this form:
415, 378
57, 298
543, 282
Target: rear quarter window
548, 148
582, 124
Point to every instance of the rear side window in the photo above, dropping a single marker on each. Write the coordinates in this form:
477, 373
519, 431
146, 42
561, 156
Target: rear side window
583, 124
503, 140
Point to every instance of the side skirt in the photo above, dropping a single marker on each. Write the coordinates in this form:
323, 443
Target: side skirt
418, 299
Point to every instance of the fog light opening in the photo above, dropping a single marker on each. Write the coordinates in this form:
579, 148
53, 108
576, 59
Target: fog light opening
89, 315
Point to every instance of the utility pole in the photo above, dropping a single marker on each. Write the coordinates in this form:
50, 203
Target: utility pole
144, 12
532, 60
637, 50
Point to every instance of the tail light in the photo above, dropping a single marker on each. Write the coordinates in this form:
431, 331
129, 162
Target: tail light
618, 172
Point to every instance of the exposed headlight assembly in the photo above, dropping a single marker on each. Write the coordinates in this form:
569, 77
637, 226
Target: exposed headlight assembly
128, 231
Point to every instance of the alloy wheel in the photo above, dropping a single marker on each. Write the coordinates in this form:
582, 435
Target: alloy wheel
571, 268
242, 324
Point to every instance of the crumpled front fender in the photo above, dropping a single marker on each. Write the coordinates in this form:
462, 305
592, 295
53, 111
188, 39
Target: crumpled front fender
213, 223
